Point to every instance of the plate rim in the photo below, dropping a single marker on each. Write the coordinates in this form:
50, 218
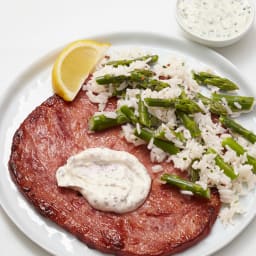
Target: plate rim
41, 60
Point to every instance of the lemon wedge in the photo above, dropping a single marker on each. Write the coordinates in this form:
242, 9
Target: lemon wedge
73, 65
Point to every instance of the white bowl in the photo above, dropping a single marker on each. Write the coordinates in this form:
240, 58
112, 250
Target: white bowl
218, 42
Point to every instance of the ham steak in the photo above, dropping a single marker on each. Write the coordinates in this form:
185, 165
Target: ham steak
168, 221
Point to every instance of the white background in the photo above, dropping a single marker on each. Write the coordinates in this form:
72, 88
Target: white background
29, 29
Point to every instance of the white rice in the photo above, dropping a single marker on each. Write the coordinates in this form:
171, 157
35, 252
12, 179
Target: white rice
128, 132
210, 131
157, 168
179, 73
193, 154
228, 213
213, 89
150, 144
185, 132
107, 114
186, 192
165, 115
183, 159
169, 135
130, 99
99, 98
120, 70
157, 155
138, 128
225, 104
237, 105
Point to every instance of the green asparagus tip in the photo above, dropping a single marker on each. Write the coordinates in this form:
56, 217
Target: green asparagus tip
237, 128
151, 59
205, 78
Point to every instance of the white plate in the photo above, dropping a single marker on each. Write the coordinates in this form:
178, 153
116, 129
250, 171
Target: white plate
34, 85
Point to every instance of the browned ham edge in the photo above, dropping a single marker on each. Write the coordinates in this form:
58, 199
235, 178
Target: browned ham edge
168, 221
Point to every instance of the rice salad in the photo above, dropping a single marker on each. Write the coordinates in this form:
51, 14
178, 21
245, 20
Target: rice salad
193, 111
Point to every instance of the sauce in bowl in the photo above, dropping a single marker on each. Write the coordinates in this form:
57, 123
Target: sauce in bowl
215, 20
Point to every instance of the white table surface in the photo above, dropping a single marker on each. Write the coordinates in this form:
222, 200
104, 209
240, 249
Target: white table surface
29, 29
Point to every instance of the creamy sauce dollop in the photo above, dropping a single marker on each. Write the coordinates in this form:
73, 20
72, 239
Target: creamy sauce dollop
110, 180
215, 19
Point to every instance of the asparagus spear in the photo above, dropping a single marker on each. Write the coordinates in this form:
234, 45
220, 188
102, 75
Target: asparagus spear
215, 106
102, 122
227, 169
188, 106
186, 185
252, 161
194, 175
138, 75
156, 102
189, 123
235, 127
151, 59
183, 104
111, 79
154, 84
204, 78
236, 103
239, 151
129, 113
141, 76
166, 146
233, 145
144, 116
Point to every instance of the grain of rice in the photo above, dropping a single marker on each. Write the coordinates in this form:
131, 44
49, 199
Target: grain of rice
225, 104
150, 144
237, 105
138, 128
186, 192
157, 168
